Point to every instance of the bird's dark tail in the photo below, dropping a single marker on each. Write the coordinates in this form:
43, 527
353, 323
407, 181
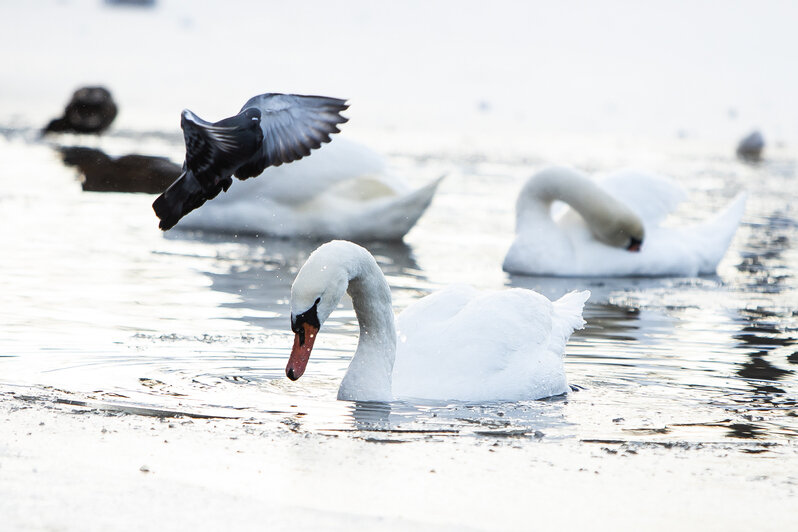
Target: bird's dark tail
182, 197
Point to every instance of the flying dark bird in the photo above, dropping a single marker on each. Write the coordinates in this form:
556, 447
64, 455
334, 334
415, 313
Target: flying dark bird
270, 130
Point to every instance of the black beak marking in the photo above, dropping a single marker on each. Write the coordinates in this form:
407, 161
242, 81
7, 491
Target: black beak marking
634, 244
310, 317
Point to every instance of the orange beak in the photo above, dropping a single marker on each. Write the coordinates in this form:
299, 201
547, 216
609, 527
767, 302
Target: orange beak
300, 353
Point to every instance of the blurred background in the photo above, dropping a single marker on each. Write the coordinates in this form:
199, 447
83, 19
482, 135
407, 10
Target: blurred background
449, 74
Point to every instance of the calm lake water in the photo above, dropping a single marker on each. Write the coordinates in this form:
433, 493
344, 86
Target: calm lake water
98, 303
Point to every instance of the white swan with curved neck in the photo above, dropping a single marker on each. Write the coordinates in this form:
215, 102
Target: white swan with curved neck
612, 228
342, 190
455, 344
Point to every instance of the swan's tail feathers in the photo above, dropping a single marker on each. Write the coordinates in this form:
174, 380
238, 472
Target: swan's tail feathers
425, 194
568, 313
731, 216
716, 233
399, 216
182, 197
416, 203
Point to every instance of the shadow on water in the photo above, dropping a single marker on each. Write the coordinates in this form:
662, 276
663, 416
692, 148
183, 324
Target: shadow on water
768, 345
601, 288
128, 173
259, 271
763, 261
612, 322
395, 258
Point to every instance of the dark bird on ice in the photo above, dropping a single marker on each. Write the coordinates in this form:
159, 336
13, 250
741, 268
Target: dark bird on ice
271, 129
91, 110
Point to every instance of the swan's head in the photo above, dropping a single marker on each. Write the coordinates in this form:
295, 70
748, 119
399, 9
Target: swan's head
317, 289
621, 230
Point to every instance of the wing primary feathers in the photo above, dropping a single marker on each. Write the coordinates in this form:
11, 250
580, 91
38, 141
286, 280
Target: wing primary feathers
271, 129
293, 125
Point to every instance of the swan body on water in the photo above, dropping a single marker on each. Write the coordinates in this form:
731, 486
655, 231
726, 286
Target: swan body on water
611, 227
342, 190
456, 344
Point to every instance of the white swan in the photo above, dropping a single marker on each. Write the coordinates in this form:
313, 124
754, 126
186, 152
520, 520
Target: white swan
455, 344
342, 190
612, 228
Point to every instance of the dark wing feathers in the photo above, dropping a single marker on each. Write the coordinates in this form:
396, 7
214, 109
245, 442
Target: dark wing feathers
270, 130
293, 125
215, 150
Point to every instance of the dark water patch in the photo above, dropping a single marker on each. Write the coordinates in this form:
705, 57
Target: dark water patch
649, 431
761, 327
510, 433
757, 313
384, 440
746, 430
631, 447
610, 321
760, 369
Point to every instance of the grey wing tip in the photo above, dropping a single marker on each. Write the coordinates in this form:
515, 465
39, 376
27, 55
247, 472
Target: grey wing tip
343, 103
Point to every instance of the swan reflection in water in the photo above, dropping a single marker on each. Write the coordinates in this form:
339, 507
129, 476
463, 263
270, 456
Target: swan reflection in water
431, 419
259, 272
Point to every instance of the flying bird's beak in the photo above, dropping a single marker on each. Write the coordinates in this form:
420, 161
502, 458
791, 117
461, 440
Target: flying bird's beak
300, 353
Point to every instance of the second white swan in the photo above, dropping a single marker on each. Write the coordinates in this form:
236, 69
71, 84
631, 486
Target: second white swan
342, 190
612, 228
455, 344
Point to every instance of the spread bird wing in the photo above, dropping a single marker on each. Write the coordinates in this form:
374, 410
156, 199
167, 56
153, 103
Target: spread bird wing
292, 126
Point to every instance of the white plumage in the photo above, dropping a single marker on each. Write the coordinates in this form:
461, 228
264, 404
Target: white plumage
455, 344
562, 241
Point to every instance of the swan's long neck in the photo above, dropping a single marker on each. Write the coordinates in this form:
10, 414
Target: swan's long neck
599, 210
566, 185
369, 373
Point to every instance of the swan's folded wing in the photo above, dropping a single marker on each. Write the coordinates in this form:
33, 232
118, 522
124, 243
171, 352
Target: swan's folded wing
463, 331
651, 196
325, 168
293, 125
469, 345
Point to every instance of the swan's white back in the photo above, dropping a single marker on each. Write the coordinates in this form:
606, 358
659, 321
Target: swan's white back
651, 196
463, 344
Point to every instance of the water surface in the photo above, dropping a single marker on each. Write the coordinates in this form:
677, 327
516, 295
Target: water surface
99, 304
